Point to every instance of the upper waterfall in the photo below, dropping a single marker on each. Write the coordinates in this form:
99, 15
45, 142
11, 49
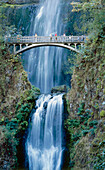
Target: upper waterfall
44, 63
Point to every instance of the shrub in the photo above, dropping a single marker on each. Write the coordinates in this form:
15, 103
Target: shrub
76, 136
81, 108
82, 118
85, 132
102, 113
73, 123
92, 132
92, 123
71, 164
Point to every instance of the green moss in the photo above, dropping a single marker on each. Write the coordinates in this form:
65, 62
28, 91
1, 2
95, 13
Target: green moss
102, 113
2, 119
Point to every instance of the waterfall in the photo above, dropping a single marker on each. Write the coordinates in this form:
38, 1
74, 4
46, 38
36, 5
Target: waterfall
44, 63
44, 143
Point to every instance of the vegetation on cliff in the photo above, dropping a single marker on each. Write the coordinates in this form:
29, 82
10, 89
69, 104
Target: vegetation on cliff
17, 99
86, 99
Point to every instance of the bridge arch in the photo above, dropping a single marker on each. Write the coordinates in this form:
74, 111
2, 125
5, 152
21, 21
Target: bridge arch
28, 47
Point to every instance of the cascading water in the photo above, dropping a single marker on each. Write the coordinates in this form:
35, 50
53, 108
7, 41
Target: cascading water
44, 63
44, 142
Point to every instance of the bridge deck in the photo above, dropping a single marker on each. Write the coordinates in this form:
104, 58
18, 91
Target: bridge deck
44, 39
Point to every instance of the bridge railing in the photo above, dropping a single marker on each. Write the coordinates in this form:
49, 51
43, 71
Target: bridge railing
43, 39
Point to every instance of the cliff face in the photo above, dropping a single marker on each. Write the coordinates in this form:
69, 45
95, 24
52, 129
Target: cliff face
17, 98
88, 85
86, 107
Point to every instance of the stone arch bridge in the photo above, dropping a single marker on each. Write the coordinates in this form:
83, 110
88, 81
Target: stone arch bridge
24, 43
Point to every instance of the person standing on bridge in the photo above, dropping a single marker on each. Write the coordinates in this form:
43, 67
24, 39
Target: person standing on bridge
64, 36
82, 38
18, 38
50, 36
56, 36
35, 37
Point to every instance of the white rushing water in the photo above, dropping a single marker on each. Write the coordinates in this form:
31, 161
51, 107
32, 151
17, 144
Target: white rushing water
44, 143
44, 63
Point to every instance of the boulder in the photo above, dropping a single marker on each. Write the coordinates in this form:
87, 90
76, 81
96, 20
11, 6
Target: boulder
45, 105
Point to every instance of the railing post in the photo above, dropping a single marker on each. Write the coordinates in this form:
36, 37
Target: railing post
82, 45
75, 45
20, 46
14, 48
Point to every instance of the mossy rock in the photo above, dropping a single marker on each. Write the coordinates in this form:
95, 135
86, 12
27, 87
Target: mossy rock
59, 89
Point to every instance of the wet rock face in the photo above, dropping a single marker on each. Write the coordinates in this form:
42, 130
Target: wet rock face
45, 105
19, 1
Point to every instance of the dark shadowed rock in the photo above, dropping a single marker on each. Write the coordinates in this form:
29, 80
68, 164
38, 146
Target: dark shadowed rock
36, 107
45, 105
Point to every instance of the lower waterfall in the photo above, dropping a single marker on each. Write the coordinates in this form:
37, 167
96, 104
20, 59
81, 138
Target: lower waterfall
44, 142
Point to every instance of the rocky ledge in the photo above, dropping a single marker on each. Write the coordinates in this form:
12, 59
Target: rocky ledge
59, 89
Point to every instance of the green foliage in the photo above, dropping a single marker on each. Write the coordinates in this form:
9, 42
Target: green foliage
98, 149
78, 128
69, 64
24, 107
91, 18
85, 132
81, 108
102, 113
22, 114
71, 164
76, 137
15, 13
15, 125
5, 27
2, 119
92, 123
73, 122
8, 141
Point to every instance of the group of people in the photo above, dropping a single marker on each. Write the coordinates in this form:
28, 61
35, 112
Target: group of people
55, 35
50, 36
